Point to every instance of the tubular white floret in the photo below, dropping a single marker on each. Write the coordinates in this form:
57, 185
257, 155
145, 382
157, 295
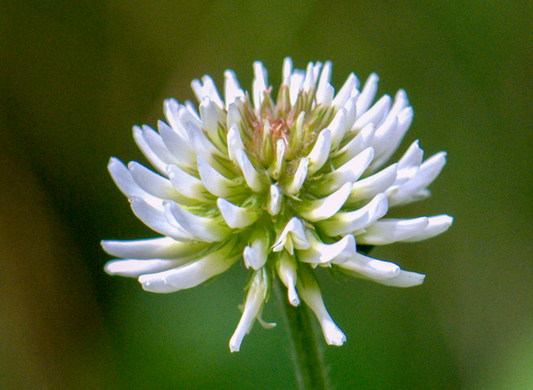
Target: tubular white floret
191, 274
255, 300
310, 294
287, 271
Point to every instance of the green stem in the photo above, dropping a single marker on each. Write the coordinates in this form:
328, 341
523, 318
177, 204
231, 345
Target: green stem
307, 355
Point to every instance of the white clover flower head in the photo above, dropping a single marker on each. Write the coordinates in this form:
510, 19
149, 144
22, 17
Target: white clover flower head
285, 186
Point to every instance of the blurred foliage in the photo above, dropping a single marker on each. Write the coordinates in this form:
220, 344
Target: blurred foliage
76, 75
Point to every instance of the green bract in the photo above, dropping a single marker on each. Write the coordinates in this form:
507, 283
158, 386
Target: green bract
284, 184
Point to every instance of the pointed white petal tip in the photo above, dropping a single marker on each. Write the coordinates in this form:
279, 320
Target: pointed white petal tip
287, 273
234, 346
190, 274
320, 152
370, 268
345, 223
255, 298
387, 230
236, 217
437, 224
292, 236
299, 177
136, 268
404, 279
251, 175
152, 248
203, 228
213, 180
294, 299
274, 203
332, 333
321, 253
325, 208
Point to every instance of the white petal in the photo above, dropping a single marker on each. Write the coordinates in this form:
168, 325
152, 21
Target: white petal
428, 172
403, 279
321, 253
153, 248
297, 134
260, 84
188, 114
351, 112
277, 165
234, 115
320, 152
409, 164
310, 80
360, 142
152, 183
146, 149
310, 293
252, 308
292, 234
405, 117
372, 185
171, 108
325, 97
191, 274
274, 203
348, 173
286, 267
256, 254
236, 217
205, 229
232, 88
375, 115
191, 109
215, 183
207, 88
338, 128
211, 121
251, 175
234, 141
400, 103
357, 165
179, 146
367, 94
154, 140
319, 209
136, 268
344, 223
287, 71
369, 267
294, 186
324, 85
156, 220
388, 230
297, 80
437, 224
203, 146
187, 185
384, 134
346, 91
124, 181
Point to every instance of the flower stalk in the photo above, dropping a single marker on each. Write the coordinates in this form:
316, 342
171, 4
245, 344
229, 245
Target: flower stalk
307, 355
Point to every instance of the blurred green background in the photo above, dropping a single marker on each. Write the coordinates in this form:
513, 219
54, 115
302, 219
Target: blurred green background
76, 75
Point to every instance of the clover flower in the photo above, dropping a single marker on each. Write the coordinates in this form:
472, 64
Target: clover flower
284, 185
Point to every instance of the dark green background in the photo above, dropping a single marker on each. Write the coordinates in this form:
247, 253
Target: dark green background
76, 75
